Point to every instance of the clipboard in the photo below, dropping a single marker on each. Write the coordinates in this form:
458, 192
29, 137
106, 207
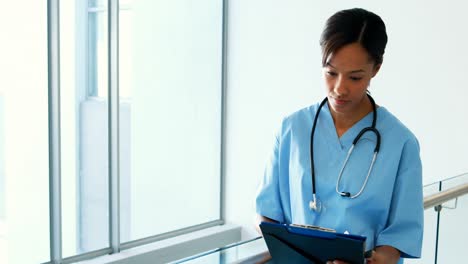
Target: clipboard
289, 243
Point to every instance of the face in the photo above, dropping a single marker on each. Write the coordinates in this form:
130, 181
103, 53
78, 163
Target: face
347, 75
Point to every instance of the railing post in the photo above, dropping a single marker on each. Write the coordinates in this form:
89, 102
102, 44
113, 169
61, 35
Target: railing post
438, 208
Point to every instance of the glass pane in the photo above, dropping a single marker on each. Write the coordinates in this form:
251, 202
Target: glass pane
453, 229
125, 85
254, 251
246, 253
24, 143
430, 229
173, 171
97, 52
125, 58
97, 3
68, 127
93, 139
85, 214
3, 242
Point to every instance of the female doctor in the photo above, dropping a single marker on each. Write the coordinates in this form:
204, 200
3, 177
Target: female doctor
347, 163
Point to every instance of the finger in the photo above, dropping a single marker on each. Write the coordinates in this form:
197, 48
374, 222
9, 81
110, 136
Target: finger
371, 258
368, 254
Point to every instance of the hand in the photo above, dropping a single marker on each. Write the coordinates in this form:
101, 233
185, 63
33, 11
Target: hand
384, 255
381, 255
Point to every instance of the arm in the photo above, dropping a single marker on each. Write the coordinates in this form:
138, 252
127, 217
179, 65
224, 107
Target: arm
268, 198
261, 218
404, 226
266, 257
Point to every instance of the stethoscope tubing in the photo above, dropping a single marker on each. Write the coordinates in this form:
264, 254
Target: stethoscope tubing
313, 204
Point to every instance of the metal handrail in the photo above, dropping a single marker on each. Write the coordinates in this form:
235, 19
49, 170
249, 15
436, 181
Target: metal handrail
447, 195
430, 201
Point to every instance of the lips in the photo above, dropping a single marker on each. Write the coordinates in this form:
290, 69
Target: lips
340, 101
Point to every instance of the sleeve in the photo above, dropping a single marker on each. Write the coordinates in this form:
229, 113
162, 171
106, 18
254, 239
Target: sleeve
268, 201
405, 225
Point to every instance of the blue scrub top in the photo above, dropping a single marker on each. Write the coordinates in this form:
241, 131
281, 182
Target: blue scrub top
389, 211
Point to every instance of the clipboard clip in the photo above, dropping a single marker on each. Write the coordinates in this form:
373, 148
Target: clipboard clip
314, 227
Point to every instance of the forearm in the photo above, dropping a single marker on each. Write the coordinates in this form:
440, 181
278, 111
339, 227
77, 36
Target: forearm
261, 218
384, 255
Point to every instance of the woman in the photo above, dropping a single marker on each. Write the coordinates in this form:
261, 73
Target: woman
311, 179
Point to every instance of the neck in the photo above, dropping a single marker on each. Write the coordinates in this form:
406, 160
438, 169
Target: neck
344, 121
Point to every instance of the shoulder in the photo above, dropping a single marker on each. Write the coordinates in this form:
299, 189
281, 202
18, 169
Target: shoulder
394, 130
295, 124
299, 117
391, 124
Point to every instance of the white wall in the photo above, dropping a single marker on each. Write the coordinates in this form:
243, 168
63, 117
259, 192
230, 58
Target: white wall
23, 85
274, 69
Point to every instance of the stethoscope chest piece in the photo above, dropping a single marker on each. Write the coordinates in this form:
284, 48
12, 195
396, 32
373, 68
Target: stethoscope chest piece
315, 205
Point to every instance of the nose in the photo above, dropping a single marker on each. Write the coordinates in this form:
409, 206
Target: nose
340, 88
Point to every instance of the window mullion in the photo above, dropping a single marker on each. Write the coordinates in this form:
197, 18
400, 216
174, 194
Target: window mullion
113, 129
53, 42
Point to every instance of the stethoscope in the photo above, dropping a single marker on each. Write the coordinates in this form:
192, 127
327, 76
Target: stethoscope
315, 204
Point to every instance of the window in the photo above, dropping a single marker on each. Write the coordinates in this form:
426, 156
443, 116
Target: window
170, 85
170, 110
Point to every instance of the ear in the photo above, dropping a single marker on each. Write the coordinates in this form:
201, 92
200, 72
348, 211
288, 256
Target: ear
376, 70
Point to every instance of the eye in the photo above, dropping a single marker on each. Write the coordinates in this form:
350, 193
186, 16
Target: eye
354, 78
331, 73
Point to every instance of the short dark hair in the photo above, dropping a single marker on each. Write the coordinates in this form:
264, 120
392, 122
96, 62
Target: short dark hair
354, 25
